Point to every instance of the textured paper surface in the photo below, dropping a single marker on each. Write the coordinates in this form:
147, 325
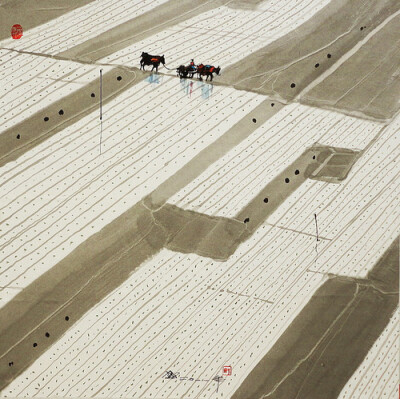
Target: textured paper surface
227, 235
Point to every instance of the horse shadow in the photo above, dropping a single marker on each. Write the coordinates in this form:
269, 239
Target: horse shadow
206, 89
154, 78
189, 86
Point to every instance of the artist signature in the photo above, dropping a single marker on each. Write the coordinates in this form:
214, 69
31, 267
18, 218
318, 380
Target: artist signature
170, 375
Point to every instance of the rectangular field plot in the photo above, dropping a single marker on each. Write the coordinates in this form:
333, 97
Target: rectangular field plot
183, 313
62, 191
223, 35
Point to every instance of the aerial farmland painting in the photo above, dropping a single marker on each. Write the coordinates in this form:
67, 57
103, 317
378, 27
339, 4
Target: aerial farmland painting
199, 199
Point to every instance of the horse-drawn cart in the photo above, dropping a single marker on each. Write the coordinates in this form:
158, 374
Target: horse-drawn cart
183, 71
201, 70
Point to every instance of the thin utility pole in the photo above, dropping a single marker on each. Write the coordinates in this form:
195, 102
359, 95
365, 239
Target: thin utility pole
101, 106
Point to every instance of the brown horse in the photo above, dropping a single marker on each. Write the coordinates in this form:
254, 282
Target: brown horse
207, 70
155, 60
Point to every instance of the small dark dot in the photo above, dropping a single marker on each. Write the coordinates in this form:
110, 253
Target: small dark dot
362, 28
266, 200
66, 318
10, 364
254, 120
316, 65
293, 85
61, 112
287, 180
47, 335
313, 157
296, 172
119, 78
247, 220
46, 119
18, 136
35, 345
272, 104
329, 55
93, 95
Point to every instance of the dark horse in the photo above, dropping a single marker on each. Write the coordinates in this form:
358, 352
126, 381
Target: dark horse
207, 70
155, 60
185, 71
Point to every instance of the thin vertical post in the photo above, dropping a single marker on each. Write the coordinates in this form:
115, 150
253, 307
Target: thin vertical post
316, 225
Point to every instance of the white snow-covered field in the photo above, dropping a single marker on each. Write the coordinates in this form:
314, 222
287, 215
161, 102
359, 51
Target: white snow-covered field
378, 375
62, 191
183, 313
79, 25
361, 215
30, 83
230, 183
222, 36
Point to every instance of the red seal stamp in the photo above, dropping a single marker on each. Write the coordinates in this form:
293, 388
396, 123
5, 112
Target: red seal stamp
16, 31
227, 370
